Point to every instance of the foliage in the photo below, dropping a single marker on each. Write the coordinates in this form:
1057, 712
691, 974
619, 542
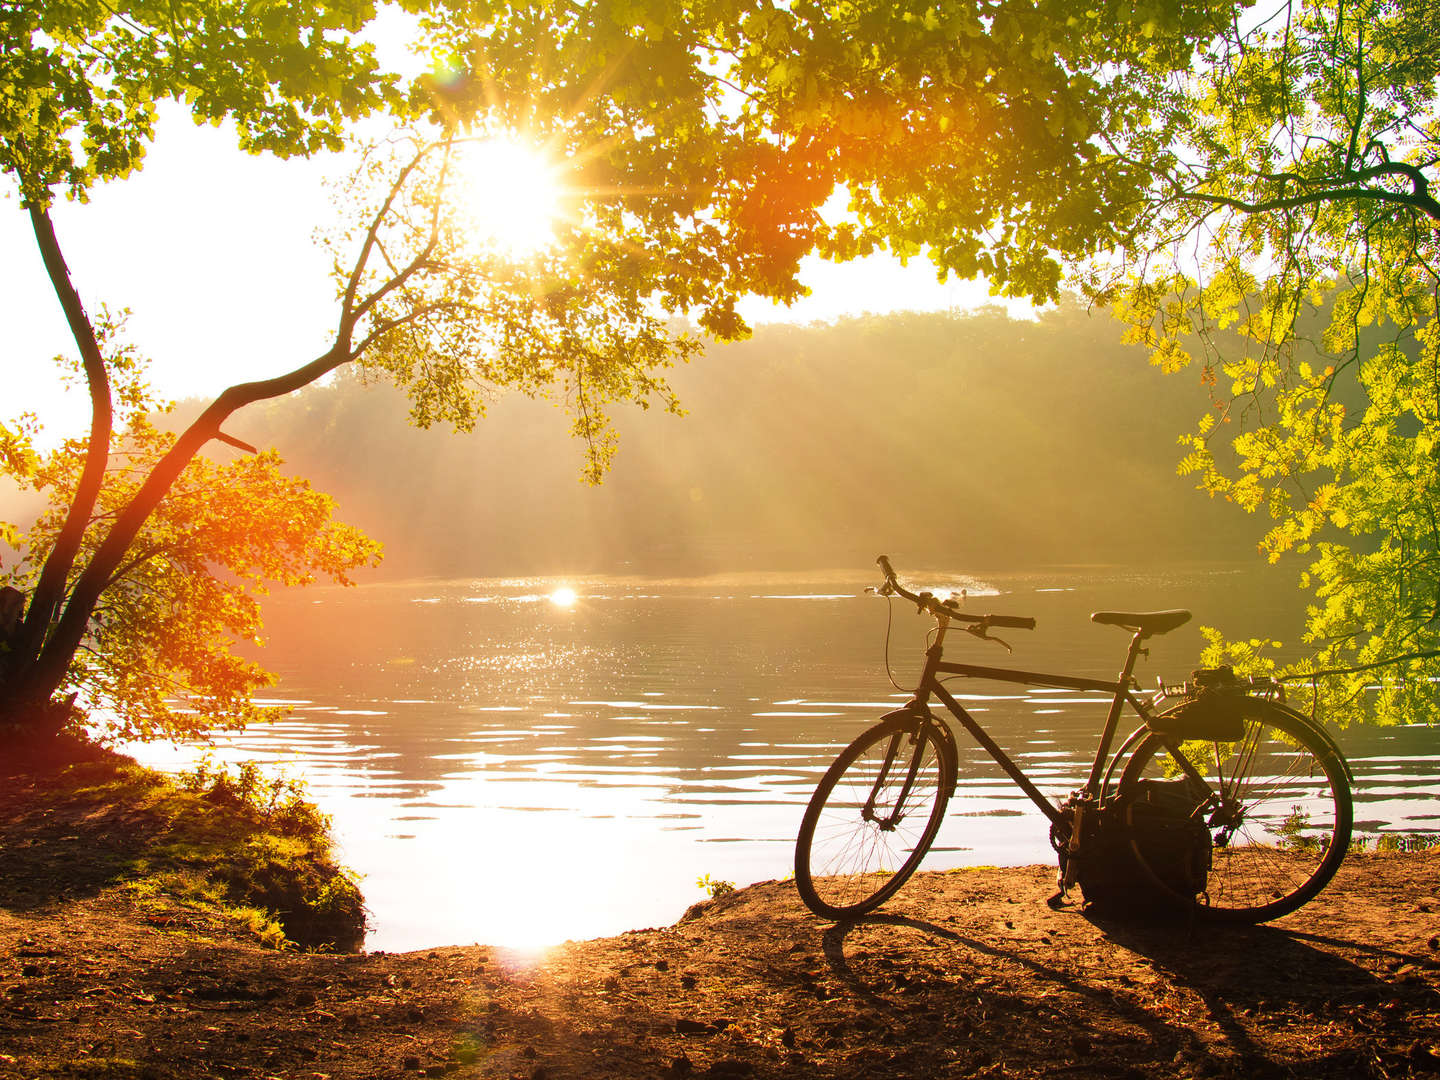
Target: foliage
259, 843
17, 460
1249, 657
1287, 248
709, 136
280, 801
80, 81
1291, 834
453, 320
157, 655
1404, 842
714, 887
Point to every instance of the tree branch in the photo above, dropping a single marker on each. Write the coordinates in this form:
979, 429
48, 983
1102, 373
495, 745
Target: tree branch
1416, 200
239, 444
348, 312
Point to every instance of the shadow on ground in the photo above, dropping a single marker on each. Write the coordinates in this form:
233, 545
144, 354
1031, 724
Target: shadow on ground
69, 829
1014, 988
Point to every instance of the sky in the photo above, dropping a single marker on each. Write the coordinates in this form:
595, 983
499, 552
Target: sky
211, 250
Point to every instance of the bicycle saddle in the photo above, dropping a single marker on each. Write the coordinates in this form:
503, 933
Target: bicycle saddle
1144, 623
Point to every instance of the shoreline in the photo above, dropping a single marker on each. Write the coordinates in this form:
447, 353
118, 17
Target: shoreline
965, 973
78, 819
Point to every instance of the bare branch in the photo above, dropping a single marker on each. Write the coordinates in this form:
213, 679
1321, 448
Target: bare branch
239, 444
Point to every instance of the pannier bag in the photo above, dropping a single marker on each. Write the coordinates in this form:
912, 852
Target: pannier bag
1161, 816
1216, 712
1171, 834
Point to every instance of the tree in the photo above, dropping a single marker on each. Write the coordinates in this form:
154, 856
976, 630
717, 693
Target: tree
1287, 245
699, 144
79, 84
156, 657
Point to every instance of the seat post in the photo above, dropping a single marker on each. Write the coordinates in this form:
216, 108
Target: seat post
1112, 721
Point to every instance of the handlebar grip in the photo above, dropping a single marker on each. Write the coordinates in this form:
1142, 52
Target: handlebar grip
1020, 622
884, 561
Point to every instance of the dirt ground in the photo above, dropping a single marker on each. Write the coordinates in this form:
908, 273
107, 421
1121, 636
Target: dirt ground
966, 973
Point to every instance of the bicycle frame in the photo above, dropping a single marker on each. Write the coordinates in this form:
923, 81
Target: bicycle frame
1121, 691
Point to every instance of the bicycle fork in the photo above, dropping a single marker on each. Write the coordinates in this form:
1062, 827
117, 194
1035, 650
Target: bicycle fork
897, 812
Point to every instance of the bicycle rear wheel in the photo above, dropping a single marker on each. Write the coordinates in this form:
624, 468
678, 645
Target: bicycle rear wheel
1279, 818
873, 817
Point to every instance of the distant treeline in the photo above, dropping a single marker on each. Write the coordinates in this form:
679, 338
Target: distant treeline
967, 441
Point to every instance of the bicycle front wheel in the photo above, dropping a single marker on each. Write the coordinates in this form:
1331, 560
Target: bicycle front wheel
873, 817
1279, 814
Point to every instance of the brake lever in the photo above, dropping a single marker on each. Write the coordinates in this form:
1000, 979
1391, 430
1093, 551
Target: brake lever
982, 631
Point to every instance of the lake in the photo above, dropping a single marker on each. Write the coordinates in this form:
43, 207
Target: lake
519, 762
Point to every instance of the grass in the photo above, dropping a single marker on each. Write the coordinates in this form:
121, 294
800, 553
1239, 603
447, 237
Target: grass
214, 839
714, 886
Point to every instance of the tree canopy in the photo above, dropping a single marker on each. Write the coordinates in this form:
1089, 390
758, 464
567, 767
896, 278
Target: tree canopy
966, 131
1287, 245
699, 145
80, 81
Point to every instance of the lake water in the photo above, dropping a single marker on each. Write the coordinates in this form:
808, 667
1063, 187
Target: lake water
509, 769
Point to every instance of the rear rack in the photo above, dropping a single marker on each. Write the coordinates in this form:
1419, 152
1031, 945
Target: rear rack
1254, 685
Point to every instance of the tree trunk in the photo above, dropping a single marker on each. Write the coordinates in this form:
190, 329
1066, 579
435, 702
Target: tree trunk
28, 639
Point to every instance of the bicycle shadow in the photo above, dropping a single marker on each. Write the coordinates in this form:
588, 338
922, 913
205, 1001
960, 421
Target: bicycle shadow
1136, 995
1250, 971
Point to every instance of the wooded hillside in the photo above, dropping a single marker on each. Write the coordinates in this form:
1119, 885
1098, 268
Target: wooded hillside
971, 440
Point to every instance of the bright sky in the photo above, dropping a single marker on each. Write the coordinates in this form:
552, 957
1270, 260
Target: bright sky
211, 250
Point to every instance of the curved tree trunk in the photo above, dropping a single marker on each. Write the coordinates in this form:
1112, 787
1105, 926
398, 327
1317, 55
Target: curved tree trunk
28, 639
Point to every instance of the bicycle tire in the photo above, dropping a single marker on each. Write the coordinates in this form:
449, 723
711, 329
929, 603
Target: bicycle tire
852, 853
1283, 826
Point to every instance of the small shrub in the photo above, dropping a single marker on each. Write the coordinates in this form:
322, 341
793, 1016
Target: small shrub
1293, 836
227, 840
714, 887
285, 867
281, 802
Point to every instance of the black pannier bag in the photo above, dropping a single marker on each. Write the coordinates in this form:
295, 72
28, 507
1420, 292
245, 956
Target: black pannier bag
1167, 826
1217, 711
1162, 818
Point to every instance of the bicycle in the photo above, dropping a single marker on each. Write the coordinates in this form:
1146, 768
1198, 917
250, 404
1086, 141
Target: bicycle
1263, 792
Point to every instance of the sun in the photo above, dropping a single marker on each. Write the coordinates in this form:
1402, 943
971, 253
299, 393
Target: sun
564, 597
511, 194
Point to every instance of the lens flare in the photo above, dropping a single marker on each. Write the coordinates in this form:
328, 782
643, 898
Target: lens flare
564, 597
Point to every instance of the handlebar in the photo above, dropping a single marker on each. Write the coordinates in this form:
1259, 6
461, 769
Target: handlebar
945, 609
